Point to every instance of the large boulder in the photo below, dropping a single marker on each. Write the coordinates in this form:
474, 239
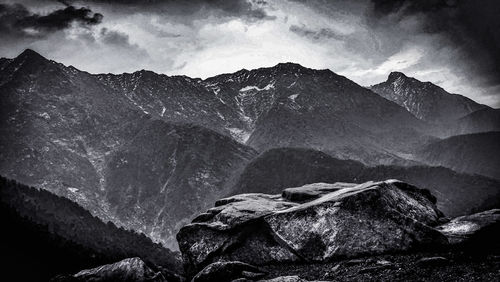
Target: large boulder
130, 269
312, 223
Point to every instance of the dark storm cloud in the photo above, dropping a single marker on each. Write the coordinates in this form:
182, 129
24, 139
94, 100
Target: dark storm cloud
322, 33
17, 20
471, 26
117, 38
237, 8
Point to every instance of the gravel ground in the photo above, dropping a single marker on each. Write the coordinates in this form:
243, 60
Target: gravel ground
429, 266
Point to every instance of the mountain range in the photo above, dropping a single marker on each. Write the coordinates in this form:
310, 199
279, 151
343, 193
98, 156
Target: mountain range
149, 151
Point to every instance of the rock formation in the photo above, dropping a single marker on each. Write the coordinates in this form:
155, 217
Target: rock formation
313, 223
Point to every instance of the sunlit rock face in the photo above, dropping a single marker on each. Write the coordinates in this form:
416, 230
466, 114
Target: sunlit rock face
475, 228
336, 221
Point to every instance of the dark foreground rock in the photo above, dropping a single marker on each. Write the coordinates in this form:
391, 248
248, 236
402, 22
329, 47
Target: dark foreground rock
313, 223
228, 271
130, 269
459, 266
293, 278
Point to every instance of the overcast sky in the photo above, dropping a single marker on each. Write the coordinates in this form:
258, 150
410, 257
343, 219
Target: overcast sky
452, 43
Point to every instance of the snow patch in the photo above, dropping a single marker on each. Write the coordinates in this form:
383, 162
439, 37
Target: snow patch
293, 97
73, 190
253, 87
45, 115
239, 134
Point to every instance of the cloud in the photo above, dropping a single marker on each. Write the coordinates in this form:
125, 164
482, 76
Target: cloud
468, 28
400, 61
115, 37
189, 10
17, 21
320, 34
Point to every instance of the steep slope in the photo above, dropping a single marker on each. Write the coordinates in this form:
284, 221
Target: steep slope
425, 100
276, 169
48, 235
167, 173
57, 124
174, 99
65, 130
290, 105
473, 153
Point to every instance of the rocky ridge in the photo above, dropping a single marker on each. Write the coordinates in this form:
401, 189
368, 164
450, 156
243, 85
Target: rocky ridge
425, 100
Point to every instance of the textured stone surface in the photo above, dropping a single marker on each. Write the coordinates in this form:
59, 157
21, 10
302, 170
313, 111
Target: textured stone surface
365, 219
472, 227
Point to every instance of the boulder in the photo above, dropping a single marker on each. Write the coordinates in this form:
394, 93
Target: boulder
479, 228
339, 221
228, 271
293, 278
130, 269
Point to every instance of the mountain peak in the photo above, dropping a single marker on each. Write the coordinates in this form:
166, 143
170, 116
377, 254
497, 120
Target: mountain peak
395, 75
29, 53
289, 66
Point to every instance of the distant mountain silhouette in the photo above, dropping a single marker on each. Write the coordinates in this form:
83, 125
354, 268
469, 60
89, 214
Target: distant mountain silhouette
483, 120
276, 169
471, 153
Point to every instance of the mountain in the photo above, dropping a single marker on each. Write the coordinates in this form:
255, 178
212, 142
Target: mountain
483, 120
57, 125
148, 151
167, 173
292, 106
49, 235
279, 106
471, 153
174, 99
276, 169
66, 131
425, 100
